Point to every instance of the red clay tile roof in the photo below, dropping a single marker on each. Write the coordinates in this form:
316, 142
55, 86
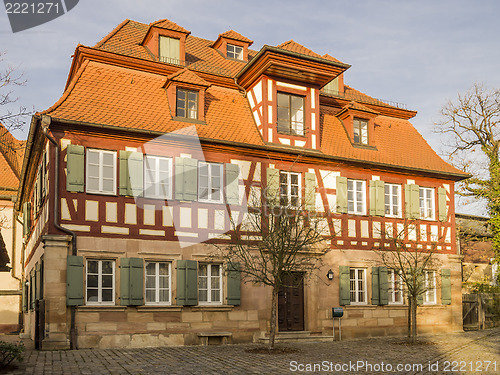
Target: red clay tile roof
293, 46
231, 34
187, 76
169, 25
331, 58
11, 153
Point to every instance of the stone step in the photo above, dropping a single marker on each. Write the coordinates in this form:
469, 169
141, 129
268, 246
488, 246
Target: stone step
297, 336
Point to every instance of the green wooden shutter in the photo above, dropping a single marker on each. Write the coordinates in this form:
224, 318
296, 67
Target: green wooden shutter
32, 289
26, 218
232, 184
341, 195
186, 179
446, 287
74, 280
310, 191
273, 186
412, 201
25, 297
377, 198
38, 283
233, 284
344, 282
75, 167
131, 281
131, 173
187, 282
383, 283
443, 215
125, 281
375, 286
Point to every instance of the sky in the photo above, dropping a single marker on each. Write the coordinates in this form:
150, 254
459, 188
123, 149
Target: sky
420, 53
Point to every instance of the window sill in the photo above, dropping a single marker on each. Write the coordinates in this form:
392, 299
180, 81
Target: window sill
212, 308
190, 120
147, 308
99, 308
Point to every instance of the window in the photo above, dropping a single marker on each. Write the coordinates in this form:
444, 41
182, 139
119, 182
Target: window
210, 182
358, 285
430, 286
101, 171
396, 287
157, 283
360, 131
426, 203
290, 114
100, 282
187, 104
356, 197
157, 177
169, 50
392, 200
209, 284
234, 52
290, 189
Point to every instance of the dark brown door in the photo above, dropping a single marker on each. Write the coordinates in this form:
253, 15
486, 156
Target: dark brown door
291, 303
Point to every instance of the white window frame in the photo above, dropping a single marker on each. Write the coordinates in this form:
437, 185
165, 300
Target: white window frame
157, 183
100, 177
427, 203
156, 287
190, 112
234, 52
288, 187
430, 295
210, 188
294, 126
354, 187
389, 200
99, 282
357, 289
360, 130
396, 288
209, 284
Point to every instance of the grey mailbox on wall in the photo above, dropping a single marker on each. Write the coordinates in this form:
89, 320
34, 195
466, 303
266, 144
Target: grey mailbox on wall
337, 312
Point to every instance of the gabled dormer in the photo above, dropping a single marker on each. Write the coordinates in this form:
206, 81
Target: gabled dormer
232, 45
283, 85
359, 123
167, 41
186, 96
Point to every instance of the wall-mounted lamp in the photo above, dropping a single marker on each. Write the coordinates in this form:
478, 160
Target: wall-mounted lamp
329, 275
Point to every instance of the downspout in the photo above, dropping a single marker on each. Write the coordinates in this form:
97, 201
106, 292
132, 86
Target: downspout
23, 248
14, 263
240, 87
46, 120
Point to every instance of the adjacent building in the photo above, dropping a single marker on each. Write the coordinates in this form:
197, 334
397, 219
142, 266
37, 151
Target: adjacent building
149, 156
11, 151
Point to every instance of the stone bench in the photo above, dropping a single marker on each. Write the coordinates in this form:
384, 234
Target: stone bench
204, 336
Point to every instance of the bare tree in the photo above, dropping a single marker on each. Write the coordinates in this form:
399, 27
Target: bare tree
473, 124
276, 242
10, 77
412, 266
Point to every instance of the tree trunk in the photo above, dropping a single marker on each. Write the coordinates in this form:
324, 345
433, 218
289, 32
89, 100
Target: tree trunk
414, 320
274, 311
409, 318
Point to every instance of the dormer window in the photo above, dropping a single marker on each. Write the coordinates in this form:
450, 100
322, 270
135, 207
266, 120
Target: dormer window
291, 118
360, 131
169, 50
234, 52
187, 104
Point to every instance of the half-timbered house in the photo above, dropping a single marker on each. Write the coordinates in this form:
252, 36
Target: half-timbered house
150, 153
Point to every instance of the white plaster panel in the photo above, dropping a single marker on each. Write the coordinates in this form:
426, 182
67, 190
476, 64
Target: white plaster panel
185, 217
258, 92
284, 141
114, 230
220, 220
337, 226
151, 232
351, 228
364, 229
91, 210
65, 215
244, 167
270, 114
168, 217
111, 212
300, 143
257, 173
270, 90
376, 229
203, 218
149, 214
130, 213
423, 232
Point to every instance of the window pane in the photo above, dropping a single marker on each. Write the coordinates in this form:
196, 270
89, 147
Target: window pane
107, 281
163, 269
164, 296
92, 266
92, 281
150, 296
203, 295
215, 295
107, 295
108, 159
92, 295
150, 281
107, 267
93, 170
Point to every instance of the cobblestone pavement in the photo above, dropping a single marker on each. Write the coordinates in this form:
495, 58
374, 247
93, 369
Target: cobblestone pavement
433, 355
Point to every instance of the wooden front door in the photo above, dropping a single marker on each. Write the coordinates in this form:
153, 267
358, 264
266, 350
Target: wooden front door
291, 303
